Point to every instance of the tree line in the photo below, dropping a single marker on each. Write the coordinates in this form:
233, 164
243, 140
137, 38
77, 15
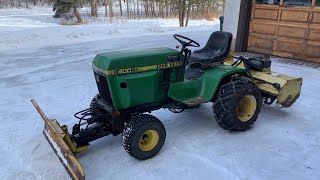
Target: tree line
131, 9
23, 3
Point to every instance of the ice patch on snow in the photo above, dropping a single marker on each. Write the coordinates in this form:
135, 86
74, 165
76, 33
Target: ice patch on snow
158, 29
113, 32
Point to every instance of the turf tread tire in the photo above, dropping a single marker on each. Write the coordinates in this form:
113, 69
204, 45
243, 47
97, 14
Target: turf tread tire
133, 130
95, 108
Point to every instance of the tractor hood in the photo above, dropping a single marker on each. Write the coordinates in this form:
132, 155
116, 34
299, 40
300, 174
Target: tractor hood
134, 58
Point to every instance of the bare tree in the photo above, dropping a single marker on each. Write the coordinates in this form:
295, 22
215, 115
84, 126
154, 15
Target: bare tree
128, 15
106, 7
19, 4
167, 8
111, 8
120, 7
134, 9
188, 13
182, 9
77, 14
153, 9
94, 8
146, 7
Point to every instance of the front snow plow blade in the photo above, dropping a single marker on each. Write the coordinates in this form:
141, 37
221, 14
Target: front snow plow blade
60, 141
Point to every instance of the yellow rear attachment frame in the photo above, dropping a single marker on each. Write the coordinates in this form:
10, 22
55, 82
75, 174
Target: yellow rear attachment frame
275, 86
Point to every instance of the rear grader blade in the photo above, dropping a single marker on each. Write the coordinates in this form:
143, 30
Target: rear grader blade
60, 141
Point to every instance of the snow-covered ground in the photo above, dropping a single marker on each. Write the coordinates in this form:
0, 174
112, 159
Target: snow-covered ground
52, 63
36, 28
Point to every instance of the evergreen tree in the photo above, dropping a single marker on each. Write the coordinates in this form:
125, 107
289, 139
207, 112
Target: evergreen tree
67, 9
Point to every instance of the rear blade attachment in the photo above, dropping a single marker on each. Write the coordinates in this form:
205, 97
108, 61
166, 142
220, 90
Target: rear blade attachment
58, 137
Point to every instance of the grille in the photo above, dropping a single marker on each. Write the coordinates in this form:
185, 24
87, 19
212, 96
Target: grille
103, 88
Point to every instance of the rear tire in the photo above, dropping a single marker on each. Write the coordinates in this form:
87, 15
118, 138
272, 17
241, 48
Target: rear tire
238, 104
143, 136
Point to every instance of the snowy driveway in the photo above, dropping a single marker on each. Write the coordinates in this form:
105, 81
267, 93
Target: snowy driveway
283, 144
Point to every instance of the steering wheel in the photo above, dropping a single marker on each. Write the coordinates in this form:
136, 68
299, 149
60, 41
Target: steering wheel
184, 43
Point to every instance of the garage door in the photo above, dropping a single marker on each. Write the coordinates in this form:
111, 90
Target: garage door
287, 28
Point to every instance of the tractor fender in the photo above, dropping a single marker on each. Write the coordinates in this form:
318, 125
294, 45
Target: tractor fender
213, 78
202, 90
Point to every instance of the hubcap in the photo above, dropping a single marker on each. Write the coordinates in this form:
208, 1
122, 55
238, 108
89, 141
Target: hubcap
149, 140
247, 107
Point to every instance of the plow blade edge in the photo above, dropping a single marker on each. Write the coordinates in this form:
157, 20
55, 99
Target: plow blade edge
58, 138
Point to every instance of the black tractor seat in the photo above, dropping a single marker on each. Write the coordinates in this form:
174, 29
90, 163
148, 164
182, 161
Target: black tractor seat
216, 50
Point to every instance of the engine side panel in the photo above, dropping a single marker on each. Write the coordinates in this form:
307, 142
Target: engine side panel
132, 78
136, 89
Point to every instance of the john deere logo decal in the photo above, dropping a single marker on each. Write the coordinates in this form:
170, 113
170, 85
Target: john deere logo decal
145, 68
173, 58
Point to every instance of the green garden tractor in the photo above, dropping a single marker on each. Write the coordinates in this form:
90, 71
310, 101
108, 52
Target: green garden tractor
134, 83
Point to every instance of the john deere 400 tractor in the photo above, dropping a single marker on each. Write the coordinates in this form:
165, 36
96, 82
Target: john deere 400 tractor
132, 84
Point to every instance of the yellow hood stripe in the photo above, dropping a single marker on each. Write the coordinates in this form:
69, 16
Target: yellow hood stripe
144, 68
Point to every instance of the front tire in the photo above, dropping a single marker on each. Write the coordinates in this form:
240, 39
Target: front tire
95, 107
238, 104
143, 136
94, 101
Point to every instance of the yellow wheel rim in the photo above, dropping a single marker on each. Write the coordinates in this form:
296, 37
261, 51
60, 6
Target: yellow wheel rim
247, 107
149, 140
